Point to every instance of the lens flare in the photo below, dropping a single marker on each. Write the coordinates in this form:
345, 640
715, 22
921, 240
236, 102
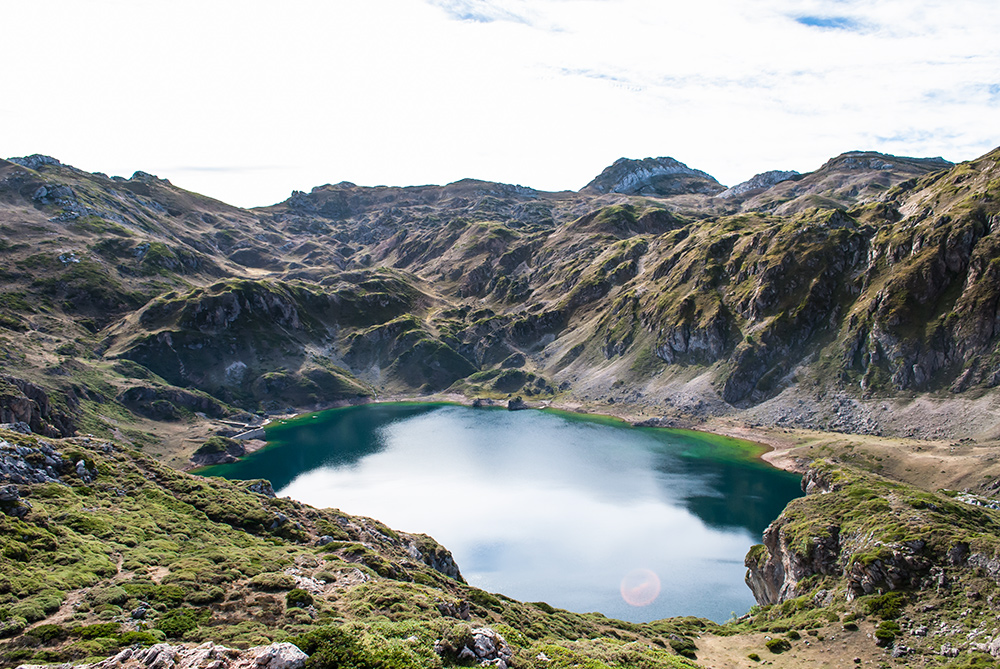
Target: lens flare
640, 587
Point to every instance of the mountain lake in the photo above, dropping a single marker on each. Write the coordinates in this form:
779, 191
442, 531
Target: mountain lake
583, 512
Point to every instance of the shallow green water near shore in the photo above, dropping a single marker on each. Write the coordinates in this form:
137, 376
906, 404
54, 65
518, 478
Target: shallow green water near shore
585, 513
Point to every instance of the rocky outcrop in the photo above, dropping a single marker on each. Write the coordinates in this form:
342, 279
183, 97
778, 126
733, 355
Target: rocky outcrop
421, 547
774, 570
24, 402
34, 161
483, 646
166, 656
21, 466
858, 530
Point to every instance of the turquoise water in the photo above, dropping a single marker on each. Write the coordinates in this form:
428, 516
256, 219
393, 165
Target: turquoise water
585, 513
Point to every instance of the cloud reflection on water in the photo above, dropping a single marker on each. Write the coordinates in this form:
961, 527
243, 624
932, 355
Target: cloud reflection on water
544, 508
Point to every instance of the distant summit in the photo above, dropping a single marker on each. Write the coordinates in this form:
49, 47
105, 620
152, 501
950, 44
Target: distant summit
872, 160
656, 177
758, 182
34, 161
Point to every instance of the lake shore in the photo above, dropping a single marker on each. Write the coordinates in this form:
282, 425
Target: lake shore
929, 464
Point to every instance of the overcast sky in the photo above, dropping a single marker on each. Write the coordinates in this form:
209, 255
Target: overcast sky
246, 101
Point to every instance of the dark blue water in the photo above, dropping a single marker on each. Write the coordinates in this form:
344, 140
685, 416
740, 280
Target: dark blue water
584, 513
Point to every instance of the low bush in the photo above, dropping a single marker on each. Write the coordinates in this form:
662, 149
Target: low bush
179, 622
887, 606
212, 593
777, 646
333, 648
684, 647
272, 581
298, 598
111, 595
886, 633
97, 630
49, 633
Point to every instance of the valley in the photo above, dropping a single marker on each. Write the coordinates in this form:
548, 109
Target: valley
848, 318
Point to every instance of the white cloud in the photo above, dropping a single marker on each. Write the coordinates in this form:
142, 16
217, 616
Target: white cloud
545, 93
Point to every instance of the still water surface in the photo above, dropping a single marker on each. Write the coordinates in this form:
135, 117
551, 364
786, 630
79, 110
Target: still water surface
585, 513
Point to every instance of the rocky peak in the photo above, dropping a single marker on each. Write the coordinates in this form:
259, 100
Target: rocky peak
34, 161
758, 182
652, 176
146, 177
874, 161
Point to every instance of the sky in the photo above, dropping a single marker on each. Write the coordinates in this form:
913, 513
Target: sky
247, 101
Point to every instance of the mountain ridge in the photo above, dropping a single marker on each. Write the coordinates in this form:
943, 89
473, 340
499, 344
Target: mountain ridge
372, 288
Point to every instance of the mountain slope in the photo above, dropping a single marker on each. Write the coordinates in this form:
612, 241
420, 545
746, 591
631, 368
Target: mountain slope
687, 304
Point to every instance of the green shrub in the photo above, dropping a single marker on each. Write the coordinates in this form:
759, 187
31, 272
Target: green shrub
973, 660
684, 647
887, 606
49, 657
30, 611
886, 633
170, 595
15, 550
272, 581
140, 638
485, 599
179, 622
112, 595
794, 635
298, 598
334, 648
12, 626
49, 633
777, 646
84, 649
754, 656
212, 593
97, 630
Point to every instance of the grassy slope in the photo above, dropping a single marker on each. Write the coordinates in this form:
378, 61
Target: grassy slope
212, 560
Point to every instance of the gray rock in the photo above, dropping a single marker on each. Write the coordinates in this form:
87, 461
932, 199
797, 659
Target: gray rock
236, 372
516, 404
85, 474
34, 161
261, 487
207, 655
279, 656
947, 650
460, 610
490, 646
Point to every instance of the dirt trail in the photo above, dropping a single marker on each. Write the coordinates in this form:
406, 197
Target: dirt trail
832, 648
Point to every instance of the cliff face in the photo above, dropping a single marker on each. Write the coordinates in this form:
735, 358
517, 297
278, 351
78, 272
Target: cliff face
856, 534
26, 403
